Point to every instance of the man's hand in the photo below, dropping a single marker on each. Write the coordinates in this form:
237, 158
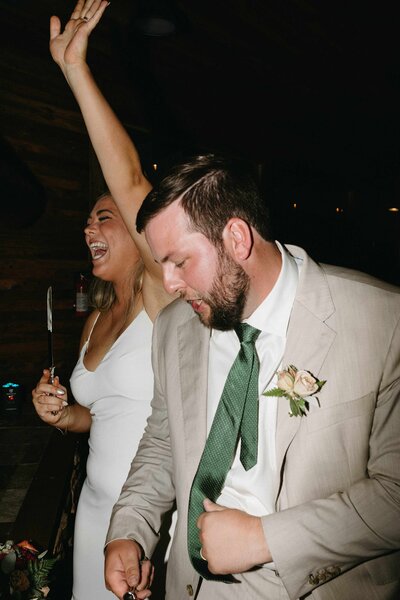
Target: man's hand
232, 541
125, 571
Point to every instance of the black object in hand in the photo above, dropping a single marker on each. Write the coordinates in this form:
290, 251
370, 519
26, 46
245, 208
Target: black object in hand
129, 596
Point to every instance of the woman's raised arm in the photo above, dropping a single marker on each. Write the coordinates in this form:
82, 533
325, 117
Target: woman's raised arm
117, 155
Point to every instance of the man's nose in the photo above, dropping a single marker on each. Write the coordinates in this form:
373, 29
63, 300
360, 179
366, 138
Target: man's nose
172, 283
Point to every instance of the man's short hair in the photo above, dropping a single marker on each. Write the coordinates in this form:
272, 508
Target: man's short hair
211, 191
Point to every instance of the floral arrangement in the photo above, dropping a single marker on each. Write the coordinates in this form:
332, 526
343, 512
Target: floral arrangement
297, 386
24, 571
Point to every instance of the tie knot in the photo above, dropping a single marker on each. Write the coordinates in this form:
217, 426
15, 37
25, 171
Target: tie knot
246, 333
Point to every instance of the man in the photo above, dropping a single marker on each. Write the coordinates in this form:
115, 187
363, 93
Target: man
317, 512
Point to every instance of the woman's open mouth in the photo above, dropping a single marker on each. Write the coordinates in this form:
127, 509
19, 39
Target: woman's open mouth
98, 250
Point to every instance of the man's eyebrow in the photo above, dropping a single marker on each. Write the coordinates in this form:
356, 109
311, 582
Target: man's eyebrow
103, 210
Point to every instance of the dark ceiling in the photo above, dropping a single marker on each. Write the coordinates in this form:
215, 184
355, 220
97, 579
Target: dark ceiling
309, 89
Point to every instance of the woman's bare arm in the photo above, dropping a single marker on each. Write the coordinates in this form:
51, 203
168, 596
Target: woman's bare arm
114, 148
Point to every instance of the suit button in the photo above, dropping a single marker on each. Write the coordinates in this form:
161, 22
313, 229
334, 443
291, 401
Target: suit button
189, 589
334, 570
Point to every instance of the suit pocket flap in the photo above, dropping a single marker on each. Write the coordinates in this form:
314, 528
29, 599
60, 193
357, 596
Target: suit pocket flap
322, 417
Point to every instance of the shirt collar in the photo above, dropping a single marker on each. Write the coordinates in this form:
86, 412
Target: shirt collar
272, 315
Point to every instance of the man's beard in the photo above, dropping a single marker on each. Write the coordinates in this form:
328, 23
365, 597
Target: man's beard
228, 294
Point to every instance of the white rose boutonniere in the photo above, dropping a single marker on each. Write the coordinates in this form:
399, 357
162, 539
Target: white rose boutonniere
297, 386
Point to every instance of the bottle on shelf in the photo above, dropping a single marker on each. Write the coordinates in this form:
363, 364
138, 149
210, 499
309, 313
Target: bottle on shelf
81, 294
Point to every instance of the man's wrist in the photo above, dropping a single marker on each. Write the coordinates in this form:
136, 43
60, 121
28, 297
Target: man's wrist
260, 551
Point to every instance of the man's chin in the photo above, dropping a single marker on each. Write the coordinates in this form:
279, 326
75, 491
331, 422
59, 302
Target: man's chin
204, 316
216, 319
222, 321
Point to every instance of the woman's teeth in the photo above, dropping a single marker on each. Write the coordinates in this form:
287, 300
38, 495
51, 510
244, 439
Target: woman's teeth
97, 249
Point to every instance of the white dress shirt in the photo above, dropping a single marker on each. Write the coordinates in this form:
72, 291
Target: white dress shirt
252, 491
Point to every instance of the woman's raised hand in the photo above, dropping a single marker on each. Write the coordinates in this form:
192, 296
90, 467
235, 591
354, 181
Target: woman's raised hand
68, 48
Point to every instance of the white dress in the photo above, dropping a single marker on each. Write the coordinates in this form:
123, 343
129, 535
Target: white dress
118, 394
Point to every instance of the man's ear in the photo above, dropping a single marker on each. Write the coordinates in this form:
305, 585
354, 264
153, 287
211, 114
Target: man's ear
238, 239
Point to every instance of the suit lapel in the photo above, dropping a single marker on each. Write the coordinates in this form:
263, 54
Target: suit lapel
193, 348
308, 341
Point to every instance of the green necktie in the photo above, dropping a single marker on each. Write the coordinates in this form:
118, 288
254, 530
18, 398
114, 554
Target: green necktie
236, 416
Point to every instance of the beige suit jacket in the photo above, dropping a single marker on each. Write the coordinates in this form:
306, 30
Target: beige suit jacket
336, 532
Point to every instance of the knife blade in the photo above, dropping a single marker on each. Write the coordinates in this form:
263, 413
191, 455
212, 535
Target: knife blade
50, 332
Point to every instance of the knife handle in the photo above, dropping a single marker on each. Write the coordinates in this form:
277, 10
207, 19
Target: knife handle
52, 371
51, 380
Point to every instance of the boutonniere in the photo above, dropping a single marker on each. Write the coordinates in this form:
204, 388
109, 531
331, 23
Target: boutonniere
297, 386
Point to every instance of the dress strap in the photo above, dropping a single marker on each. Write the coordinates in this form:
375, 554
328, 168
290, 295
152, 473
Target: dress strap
91, 331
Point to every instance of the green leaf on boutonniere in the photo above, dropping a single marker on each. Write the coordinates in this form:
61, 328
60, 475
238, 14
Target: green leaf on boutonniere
298, 407
275, 392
